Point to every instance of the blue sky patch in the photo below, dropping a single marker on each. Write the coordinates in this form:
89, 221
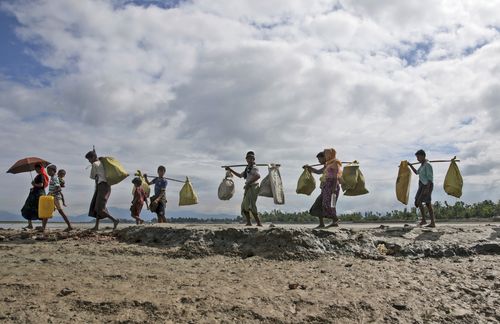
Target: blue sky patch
417, 52
164, 4
16, 61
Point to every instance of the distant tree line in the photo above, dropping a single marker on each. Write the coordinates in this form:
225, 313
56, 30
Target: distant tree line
443, 211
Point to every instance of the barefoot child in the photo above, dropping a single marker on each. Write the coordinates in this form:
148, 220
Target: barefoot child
251, 175
159, 200
61, 174
425, 186
55, 190
138, 201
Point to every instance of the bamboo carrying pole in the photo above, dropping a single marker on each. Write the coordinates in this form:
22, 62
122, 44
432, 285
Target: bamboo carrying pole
244, 165
437, 161
343, 162
166, 178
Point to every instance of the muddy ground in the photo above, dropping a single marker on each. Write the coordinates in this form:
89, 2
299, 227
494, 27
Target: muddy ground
233, 274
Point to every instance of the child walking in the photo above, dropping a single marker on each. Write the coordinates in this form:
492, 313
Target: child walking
138, 201
55, 190
251, 175
425, 187
159, 200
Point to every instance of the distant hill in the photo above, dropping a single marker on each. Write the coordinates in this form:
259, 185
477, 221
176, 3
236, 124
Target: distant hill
120, 213
10, 217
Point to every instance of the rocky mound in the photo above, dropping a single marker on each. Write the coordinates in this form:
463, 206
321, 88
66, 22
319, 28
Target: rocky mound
285, 243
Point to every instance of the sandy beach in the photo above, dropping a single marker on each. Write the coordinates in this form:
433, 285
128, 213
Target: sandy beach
233, 274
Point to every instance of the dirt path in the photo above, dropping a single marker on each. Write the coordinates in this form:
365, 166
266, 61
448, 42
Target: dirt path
88, 278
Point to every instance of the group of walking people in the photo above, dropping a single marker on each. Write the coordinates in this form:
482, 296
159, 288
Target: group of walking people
323, 207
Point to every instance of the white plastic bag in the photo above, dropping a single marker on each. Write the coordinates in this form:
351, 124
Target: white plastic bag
226, 187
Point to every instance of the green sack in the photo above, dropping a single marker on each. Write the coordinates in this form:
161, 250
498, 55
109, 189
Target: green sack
453, 182
187, 196
403, 182
113, 170
359, 189
306, 183
350, 176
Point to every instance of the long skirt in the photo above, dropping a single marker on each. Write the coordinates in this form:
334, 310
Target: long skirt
328, 189
30, 208
249, 203
99, 200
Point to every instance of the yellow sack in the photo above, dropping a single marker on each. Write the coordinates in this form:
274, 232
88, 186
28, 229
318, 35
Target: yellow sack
453, 181
144, 184
403, 182
46, 206
306, 183
187, 196
113, 170
350, 176
359, 189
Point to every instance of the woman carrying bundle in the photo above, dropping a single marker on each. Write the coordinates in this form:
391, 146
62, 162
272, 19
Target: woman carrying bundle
330, 187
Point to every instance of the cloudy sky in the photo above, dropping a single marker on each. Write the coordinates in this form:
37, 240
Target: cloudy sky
195, 84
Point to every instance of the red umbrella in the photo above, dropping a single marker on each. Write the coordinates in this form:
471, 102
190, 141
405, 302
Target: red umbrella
27, 165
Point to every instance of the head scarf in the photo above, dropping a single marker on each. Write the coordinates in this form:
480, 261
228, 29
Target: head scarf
332, 162
45, 176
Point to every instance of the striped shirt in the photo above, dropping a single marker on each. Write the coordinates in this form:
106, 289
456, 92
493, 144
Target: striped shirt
53, 186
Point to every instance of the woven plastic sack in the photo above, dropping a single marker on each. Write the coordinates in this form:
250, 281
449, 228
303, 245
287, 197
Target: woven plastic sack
306, 183
226, 187
350, 176
403, 182
360, 188
276, 184
113, 170
265, 187
453, 182
187, 196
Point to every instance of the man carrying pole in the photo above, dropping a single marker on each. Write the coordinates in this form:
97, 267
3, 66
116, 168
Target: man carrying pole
425, 186
251, 176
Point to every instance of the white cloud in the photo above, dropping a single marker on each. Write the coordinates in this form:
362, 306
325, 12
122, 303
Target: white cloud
196, 86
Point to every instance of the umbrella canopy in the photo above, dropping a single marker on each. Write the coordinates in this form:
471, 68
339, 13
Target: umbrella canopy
27, 165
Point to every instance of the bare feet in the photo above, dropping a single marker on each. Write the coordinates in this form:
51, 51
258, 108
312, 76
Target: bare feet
68, 229
431, 225
94, 229
320, 226
115, 224
28, 227
422, 223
